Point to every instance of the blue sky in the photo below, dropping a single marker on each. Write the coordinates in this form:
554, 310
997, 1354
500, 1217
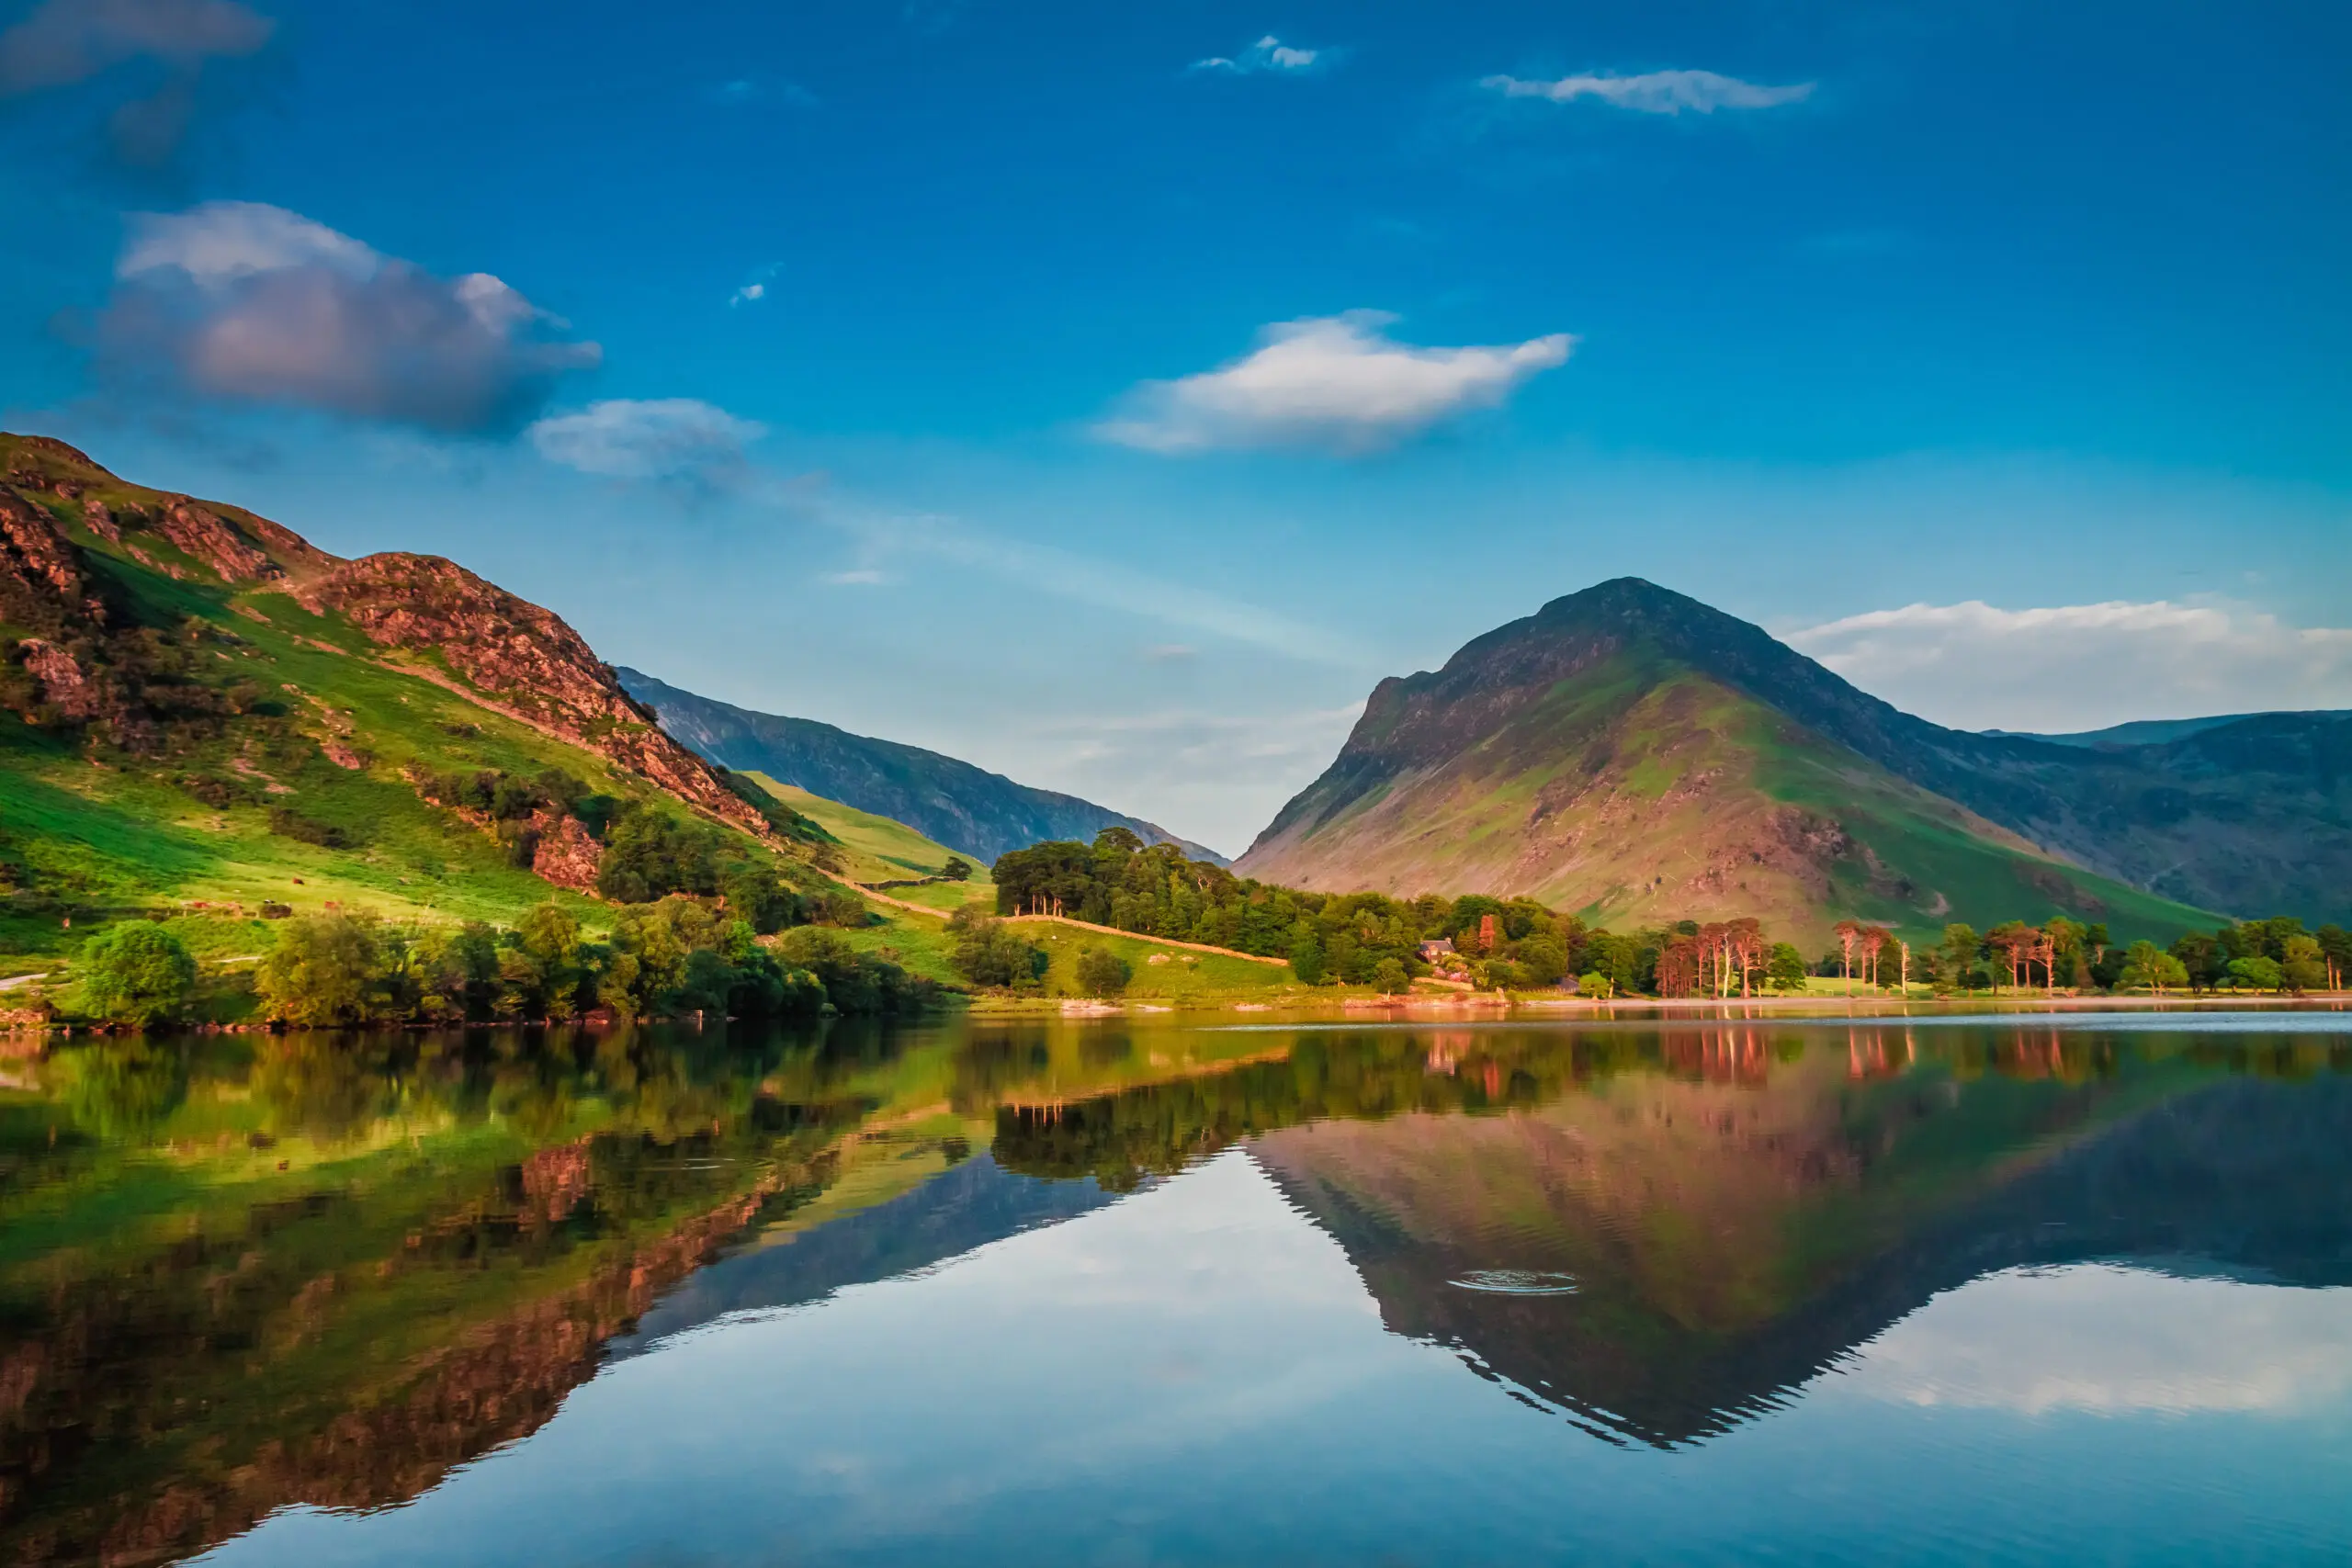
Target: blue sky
1112, 395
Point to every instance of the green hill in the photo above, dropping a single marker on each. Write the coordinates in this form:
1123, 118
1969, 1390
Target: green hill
876, 850
202, 714
1629, 754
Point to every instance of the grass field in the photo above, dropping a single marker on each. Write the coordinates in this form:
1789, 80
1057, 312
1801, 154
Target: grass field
881, 849
919, 944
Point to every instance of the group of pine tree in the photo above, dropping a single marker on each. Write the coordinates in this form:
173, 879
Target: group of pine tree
1370, 939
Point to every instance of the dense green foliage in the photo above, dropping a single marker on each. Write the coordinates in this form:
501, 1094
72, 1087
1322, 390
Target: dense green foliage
137, 974
1370, 939
673, 956
1154, 891
991, 952
1102, 973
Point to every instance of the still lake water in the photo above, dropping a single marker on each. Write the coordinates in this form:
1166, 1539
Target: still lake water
1936, 1290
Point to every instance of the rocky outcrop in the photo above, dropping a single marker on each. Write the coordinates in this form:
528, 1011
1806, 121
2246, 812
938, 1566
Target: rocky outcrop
42, 583
464, 633
527, 658
201, 532
64, 686
566, 855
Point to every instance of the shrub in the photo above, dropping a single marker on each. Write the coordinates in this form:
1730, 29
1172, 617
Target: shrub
757, 895
651, 853
287, 824
325, 970
990, 952
1102, 973
2257, 974
1307, 959
138, 975
840, 908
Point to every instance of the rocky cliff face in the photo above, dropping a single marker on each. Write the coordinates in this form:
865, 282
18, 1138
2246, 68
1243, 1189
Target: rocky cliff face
61, 514
524, 658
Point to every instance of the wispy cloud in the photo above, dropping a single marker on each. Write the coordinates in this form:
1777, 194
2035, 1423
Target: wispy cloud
755, 288
882, 536
1221, 774
2111, 1340
670, 440
1268, 54
2084, 666
246, 302
1656, 92
1337, 383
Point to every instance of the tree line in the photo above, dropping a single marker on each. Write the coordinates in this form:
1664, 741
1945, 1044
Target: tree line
668, 958
1370, 939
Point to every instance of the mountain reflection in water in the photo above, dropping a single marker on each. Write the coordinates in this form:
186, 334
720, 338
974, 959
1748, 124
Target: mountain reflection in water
241, 1273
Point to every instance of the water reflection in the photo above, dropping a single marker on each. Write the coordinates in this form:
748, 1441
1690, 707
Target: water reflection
243, 1272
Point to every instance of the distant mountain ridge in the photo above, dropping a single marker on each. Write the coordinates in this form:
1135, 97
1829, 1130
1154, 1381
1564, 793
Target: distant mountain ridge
964, 807
1629, 730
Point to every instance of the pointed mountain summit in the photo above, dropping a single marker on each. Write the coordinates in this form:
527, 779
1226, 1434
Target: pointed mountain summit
1633, 753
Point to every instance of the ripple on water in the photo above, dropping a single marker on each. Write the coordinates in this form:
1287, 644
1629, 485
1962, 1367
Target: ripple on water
1517, 1282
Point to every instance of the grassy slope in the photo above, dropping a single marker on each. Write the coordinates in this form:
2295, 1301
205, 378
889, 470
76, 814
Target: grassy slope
921, 944
1656, 794
881, 849
116, 839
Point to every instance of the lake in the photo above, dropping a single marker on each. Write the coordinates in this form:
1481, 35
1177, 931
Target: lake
1941, 1289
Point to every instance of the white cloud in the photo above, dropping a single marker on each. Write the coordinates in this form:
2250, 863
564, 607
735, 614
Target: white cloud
2112, 1341
1333, 382
677, 439
859, 576
245, 302
2084, 666
1269, 53
1657, 92
755, 288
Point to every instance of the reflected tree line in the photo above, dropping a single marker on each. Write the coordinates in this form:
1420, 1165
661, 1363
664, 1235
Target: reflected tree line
1125, 1139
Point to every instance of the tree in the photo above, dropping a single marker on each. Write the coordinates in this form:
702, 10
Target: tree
1306, 957
987, 952
2257, 974
137, 974
1388, 977
2020, 944
2200, 953
2304, 967
1956, 956
1786, 969
2150, 968
1848, 933
2336, 952
1595, 984
323, 971
958, 869
1101, 972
